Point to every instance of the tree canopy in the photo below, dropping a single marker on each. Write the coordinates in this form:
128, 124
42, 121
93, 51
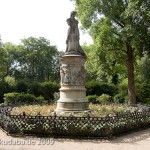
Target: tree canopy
3, 63
120, 30
33, 59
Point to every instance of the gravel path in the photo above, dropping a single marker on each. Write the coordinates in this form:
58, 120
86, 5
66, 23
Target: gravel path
133, 141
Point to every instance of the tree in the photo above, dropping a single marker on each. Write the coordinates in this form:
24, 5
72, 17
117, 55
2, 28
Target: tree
91, 66
121, 26
12, 57
38, 58
103, 66
33, 59
145, 69
3, 63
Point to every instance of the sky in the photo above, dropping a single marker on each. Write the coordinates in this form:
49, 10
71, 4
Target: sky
38, 18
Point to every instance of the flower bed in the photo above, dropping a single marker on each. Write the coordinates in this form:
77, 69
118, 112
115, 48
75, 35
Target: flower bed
74, 125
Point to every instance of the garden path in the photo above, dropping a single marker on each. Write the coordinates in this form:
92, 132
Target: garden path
139, 140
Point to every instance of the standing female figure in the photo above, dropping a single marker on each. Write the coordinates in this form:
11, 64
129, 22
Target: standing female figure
73, 46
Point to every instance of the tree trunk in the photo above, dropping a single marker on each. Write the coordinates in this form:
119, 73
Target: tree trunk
130, 69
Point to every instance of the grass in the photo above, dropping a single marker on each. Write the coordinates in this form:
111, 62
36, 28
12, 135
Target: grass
96, 110
103, 110
33, 110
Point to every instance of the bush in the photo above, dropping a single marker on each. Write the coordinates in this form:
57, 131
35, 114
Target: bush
92, 99
147, 101
143, 92
10, 80
4, 88
12, 98
120, 98
34, 88
22, 86
123, 86
45, 89
96, 88
48, 89
122, 95
104, 98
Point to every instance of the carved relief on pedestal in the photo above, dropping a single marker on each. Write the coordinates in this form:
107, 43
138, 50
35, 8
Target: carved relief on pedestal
65, 75
72, 75
81, 76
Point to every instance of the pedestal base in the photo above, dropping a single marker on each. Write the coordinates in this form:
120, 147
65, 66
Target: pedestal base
72, 91
72, 106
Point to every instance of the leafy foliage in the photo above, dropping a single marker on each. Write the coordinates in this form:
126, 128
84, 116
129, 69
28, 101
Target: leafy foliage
48, 89
145, 68
143, 94
44, 89
3, 63
120, 98
120, 30
92, 99
4, 88
33, 59
99, 88
10, 80
11, 98
104, 98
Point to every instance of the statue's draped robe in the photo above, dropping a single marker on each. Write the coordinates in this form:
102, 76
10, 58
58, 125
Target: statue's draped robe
73, 46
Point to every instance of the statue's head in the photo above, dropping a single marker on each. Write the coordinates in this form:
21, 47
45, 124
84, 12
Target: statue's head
73, 14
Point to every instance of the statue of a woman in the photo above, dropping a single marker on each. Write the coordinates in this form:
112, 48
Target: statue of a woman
73, 46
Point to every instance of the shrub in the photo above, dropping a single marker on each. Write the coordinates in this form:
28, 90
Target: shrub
104, 98
10, 80
147, 101
92, 99
48, 89
12, 98
122, 95
119, 98
22, 86
4, 88
123, 86
34, 88
142, 92
96, 88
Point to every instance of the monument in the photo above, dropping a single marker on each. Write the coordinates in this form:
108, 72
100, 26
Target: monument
72, 72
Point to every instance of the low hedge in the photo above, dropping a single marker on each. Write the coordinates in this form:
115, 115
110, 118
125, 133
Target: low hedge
120, 98
48, 89
92, 99
99, 88
102, 99
12, 98
45, 89
4, 88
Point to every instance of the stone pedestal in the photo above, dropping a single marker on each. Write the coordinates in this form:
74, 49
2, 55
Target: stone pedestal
72, 91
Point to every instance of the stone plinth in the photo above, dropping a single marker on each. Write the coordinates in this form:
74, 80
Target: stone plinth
72, 91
